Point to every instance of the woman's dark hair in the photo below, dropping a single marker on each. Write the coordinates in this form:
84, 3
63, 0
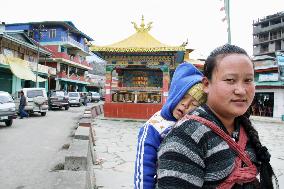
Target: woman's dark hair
219, 53
262, 154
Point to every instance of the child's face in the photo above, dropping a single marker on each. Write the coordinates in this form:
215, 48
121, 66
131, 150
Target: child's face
187, 104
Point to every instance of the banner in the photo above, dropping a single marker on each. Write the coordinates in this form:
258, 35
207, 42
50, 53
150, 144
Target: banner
280, 61
268, 77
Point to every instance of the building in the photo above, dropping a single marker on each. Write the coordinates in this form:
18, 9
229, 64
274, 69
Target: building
69, 48
269, 96
97, 75
138, 73
268, 43
268, 35
18, 58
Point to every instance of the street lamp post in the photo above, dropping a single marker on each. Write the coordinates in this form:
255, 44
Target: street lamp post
227, 9
39, 30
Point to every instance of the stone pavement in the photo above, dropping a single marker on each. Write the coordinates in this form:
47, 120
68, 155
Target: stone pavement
116, 142
116, 149
272, 136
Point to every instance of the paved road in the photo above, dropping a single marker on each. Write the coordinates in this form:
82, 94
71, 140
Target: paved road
31, 148
272, 135
116, 148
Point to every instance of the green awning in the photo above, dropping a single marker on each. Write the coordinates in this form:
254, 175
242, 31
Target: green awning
73, 81
270, 83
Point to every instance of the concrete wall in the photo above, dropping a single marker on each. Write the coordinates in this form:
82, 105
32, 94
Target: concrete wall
78, 170
278, 103
271, 46
16, 84
256, 49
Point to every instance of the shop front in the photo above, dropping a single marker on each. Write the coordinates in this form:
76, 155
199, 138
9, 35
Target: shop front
16, 74
268, 101
263, 104
6, 79
269, 97
70, 85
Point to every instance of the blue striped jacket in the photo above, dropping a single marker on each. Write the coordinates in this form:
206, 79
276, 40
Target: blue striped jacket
149, 139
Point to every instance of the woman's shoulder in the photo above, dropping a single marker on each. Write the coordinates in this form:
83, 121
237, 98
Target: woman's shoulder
187, 122
195, 129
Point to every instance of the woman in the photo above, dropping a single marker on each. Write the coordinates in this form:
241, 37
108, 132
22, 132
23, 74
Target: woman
216, 146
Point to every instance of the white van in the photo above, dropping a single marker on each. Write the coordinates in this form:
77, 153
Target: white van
74, 98
36, 100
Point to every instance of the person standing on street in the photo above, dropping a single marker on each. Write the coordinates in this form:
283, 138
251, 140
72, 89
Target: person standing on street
23, 103
85, 99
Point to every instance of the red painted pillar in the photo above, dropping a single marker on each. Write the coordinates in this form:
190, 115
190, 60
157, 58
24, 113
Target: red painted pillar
109, 69
166, 81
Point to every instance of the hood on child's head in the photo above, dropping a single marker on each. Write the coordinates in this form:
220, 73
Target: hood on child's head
185, 76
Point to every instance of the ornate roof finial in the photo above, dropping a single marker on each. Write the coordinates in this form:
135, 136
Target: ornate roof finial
142, 22
142, 26
185, 43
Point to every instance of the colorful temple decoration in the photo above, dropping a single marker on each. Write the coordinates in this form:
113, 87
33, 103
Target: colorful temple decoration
138, 73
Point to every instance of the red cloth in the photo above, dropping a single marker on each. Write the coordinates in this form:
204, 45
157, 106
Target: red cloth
240, 174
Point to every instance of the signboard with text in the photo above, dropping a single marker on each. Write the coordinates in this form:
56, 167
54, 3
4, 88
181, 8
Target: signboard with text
280, 61
268, 77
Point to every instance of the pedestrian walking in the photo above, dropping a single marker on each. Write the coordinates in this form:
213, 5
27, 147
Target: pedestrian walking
185, 94
85, 100
216, 146
23, 103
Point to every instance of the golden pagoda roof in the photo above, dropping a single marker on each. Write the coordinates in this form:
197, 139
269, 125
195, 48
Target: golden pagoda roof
141, 41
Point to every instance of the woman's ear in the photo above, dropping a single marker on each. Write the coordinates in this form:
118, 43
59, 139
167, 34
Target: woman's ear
205, 83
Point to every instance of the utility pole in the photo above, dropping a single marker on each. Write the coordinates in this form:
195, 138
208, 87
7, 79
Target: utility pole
39, 30
227, 9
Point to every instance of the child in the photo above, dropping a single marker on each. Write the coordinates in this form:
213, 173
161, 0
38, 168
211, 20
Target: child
185, 94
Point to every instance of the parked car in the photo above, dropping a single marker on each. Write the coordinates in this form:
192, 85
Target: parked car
95, 96
7, 108
74, 98
58, 99
36, 100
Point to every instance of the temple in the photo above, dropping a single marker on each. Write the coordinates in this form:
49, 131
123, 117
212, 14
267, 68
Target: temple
138, 73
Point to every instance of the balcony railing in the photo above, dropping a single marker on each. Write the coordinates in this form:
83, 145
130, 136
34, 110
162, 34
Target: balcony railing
75, 43
268, 39
74, 77
259, 29
71, 58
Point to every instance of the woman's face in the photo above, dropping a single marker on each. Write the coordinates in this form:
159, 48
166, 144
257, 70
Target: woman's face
231, 89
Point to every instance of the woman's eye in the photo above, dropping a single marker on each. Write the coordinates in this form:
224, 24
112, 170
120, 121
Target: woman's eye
230, 80
249, 80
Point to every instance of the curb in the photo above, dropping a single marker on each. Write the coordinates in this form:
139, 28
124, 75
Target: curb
266, 119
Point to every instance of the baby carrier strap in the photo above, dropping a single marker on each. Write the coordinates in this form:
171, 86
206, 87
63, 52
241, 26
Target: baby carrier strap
240, 174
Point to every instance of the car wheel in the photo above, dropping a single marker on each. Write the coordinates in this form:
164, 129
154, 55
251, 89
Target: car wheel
66, 107
43, 113
9, 122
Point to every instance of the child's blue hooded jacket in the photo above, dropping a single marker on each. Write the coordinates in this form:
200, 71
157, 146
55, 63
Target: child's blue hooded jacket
155, 129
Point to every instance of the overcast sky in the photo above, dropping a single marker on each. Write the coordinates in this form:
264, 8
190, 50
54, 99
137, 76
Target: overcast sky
174, 21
